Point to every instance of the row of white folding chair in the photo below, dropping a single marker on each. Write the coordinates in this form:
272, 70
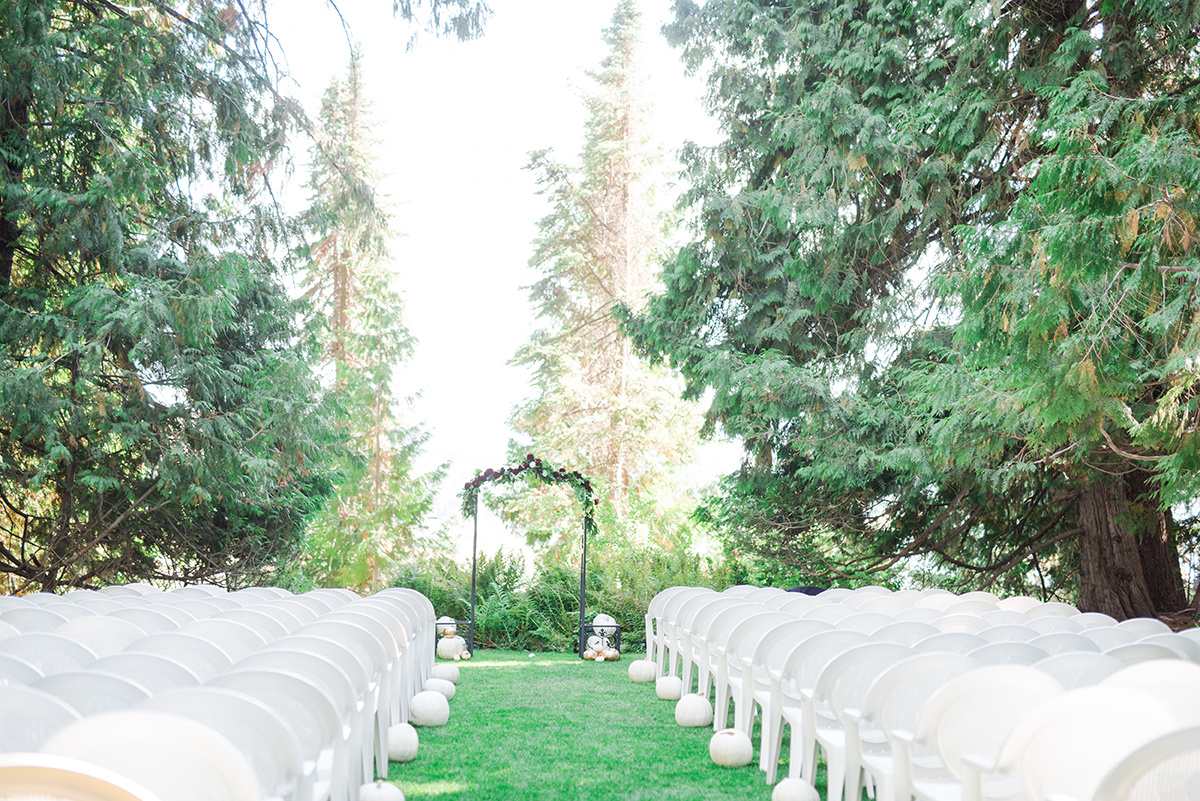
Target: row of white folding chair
1064, 745
206, 659
102, 687
780, 659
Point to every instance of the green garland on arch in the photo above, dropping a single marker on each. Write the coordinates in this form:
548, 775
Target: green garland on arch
542, 469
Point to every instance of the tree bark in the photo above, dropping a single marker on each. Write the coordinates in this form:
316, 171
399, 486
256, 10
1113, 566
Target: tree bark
1156, 545
1111, 575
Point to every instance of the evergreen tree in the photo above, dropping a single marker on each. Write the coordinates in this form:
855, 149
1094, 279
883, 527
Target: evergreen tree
157, 405
379, 501
944, 287
598, 408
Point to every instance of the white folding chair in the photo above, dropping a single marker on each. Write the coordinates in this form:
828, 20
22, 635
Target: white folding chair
1143, 627
30, 776
842, 686
236, 639
257, 731
893, 702
1064, 642
1007, 653
197, 654
905, 632
1065, 748
337, 685
968, 717
102, 634
33, 618
14, 670
175, 758
1187, 648
312, 717
735, 668
952, 642
29, 716
151, 620
1166, 767
48, 652
91, 692
1007, 632
1133, 652
155, 672
1074, 669
791, 700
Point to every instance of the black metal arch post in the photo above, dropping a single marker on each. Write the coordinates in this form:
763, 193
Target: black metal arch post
583, 590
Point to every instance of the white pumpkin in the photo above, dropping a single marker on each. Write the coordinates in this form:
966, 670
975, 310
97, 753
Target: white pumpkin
599, 657
604, 625
731, 748
693, 709
444, 623
450, 647
442, 686
794, 790
380, 791
402, 743
448, 672
429, 708
642, 671
668, 688
590, 653
612, 654
596, 642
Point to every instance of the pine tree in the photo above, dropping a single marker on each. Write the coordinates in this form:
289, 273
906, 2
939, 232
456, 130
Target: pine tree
598, 407
379, 502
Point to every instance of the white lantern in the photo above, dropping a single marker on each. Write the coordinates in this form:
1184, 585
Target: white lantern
448, 672
442, 686
794, 790
450, 647
731, 748
380, 791
402, 743
604, 625
668, 688
429, 708
693, 709
642, 671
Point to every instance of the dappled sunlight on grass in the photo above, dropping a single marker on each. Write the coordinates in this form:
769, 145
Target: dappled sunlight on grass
431, 789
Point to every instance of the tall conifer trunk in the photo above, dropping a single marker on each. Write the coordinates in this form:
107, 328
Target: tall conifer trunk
1111, 575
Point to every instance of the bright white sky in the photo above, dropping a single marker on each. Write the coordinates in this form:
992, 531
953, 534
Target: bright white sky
455, 123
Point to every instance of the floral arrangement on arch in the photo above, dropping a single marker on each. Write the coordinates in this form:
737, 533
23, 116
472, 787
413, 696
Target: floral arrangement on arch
540, 468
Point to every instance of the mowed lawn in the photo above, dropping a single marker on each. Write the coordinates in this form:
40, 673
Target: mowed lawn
553, 727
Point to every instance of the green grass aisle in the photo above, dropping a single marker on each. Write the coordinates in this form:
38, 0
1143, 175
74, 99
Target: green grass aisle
552, 727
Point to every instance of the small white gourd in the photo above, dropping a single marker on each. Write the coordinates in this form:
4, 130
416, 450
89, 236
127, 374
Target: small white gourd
448, 672
466, 654
380, 791
731, 748
429, 708
794, 790
693, 709
642, 671
668, 688
402, 743
612, 654
442, 686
